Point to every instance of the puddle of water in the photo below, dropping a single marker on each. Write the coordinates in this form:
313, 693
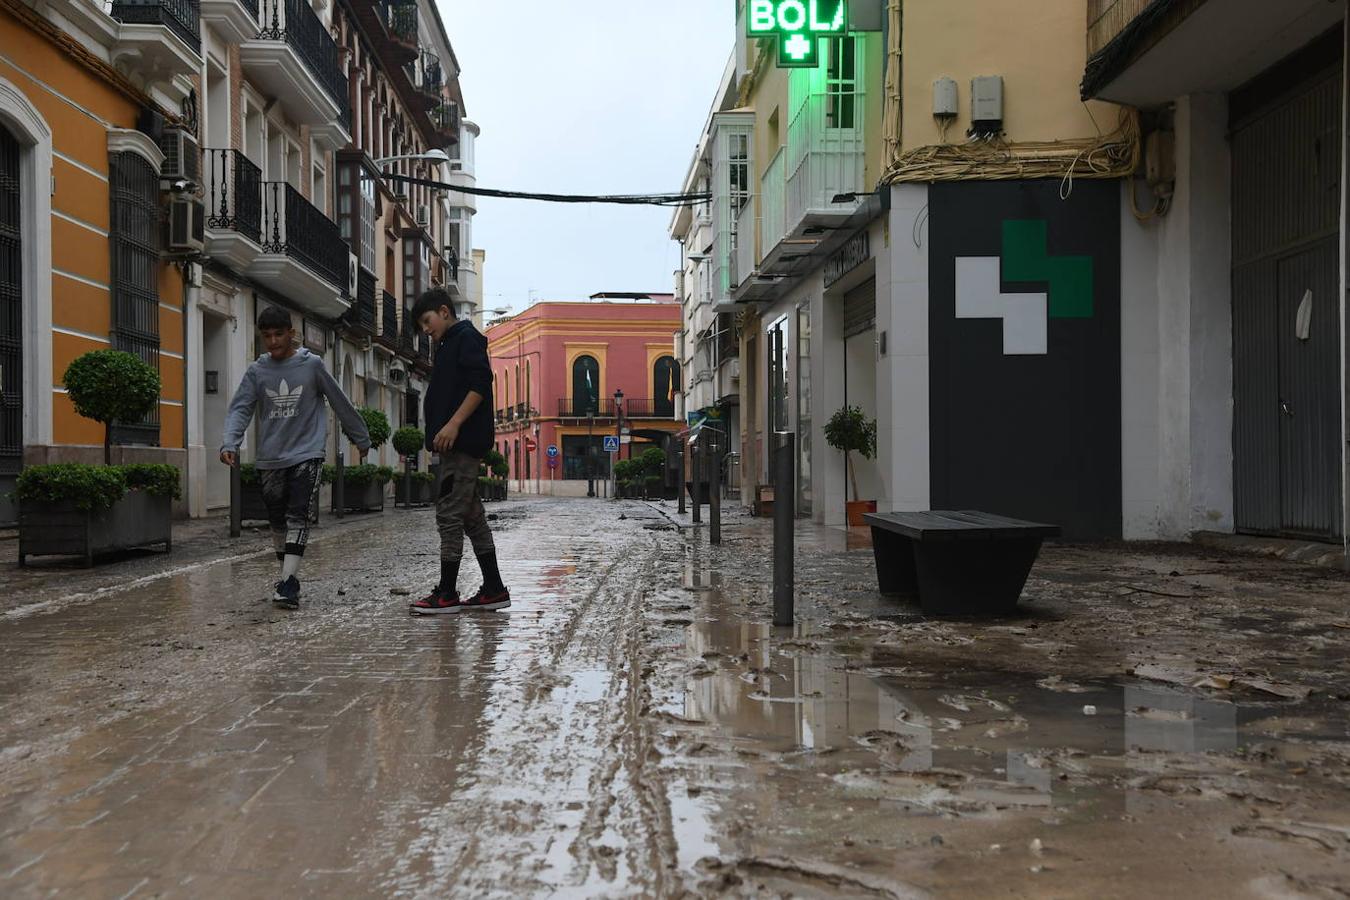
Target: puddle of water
973, 740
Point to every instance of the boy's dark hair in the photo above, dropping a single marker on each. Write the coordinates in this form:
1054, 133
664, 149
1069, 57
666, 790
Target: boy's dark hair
274, 317
431, 301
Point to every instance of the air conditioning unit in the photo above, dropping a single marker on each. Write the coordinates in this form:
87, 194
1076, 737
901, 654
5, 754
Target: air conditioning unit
424, 216
353, 271
182, 157
187, 224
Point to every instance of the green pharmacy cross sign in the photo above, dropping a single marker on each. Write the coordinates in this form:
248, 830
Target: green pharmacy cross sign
798, 25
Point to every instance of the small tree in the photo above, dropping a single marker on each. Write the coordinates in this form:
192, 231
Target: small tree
409, 441
850, 431
110, 386
495, 464
377, 425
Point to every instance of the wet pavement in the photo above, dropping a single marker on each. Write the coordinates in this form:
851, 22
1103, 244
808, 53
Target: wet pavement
1158, 721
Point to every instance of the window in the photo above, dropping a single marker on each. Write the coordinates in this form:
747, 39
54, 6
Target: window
356, 212
841, 83
134, 238
665, 385
585, 386
319, 188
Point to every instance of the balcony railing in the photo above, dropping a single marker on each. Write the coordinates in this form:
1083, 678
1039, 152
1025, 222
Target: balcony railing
604, 408
364, 314
744, 241
388, 334
823, 162
773, 208
233, 194
296, 23
401, 20
294, 227
445, 119
407, 338
182, 17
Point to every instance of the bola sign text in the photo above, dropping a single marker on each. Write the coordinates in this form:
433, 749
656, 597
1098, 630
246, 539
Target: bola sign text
798, 25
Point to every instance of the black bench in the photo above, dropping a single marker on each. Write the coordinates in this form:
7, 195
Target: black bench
957, 563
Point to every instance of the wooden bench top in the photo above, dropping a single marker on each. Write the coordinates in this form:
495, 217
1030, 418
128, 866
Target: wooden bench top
952, 526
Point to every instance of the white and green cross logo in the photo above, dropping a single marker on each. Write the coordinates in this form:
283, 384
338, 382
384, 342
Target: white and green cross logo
798, 25
1025, 316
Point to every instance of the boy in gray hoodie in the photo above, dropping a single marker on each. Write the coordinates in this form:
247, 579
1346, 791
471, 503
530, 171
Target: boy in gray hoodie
286, 387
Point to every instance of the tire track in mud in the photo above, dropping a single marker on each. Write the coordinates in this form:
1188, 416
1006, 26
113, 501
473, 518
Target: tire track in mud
575, 803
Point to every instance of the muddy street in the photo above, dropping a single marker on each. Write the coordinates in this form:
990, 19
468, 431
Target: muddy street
1156, 721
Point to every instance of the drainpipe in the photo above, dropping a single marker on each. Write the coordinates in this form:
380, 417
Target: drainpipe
192, 291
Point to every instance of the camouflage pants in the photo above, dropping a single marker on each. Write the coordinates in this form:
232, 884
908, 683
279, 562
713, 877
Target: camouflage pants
459, 508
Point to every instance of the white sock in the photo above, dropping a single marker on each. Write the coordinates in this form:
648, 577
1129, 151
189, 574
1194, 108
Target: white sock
291, 567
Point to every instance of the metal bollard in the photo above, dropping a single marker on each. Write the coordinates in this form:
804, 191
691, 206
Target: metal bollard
679, 479
407, 483
714, 496
340, 489
784, 526
696, 476
236, 501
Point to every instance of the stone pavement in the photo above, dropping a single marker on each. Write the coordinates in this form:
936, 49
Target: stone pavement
1159, 721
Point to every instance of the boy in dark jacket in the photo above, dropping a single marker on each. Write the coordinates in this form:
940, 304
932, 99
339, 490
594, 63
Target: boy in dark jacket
460, 429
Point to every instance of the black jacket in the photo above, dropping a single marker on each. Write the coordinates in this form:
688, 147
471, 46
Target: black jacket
461, 365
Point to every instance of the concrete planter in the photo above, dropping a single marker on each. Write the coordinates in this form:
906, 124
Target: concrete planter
59, 529
252, 507
422, 493
363, 498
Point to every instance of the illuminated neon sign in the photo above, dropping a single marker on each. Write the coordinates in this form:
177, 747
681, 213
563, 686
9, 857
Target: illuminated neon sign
798, 25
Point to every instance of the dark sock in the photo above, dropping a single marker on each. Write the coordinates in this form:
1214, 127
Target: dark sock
449, 575
492, 578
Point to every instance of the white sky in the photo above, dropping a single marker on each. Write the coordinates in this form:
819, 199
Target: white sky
603, 97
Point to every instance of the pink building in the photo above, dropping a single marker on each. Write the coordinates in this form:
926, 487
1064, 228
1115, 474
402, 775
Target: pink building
559, 366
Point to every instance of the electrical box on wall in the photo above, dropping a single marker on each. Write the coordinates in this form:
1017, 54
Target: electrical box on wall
986, 105
946, 99
1160, 158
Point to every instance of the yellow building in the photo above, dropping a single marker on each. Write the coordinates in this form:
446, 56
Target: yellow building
80, 265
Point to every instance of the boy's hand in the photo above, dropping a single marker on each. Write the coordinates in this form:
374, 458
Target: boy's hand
445, 439
229, 457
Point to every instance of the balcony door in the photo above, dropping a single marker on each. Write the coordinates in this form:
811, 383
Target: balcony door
11, 313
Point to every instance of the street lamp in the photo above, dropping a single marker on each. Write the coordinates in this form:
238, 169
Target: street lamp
618, 412
590, 452
431, 156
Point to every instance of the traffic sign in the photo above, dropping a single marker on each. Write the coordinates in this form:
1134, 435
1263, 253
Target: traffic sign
552, 451
530, 445
611, 443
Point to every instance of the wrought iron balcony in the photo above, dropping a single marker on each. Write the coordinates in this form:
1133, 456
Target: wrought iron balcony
407, 339
445, 119
401, 23
388, 334
583, 407
294, 23
182, 17
427, 76
293, 227
364, 317
233, 194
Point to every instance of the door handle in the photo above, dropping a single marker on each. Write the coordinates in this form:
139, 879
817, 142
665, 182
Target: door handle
1287, 411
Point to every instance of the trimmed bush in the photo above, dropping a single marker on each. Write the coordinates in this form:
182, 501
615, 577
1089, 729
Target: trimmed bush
110, 386
409, 441
384, 474
377, 423
248, 474
653, 461
88, 488
328, 474
160, 480
366, 474
424, 477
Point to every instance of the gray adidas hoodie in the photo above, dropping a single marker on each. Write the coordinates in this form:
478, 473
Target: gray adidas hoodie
288, 398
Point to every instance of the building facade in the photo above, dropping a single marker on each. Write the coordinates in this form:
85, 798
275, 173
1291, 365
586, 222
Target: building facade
1095, 282
84, 96
207, 159
567, 373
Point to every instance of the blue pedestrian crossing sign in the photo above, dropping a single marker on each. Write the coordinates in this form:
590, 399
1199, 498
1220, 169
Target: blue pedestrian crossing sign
611, 443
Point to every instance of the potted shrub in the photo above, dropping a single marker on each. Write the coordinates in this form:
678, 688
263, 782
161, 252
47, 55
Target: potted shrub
653, 471
411, 490
377, 425
623, 477
73, 509
364, 486
850, 431
495, 468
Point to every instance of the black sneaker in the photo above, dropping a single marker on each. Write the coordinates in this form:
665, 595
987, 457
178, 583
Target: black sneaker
488, 599
288, 593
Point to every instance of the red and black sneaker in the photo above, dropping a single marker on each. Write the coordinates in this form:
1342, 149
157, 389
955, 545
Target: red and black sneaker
437, 603
488, 599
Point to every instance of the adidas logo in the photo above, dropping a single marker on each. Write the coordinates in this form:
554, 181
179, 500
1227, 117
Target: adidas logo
1025, 258
285, 402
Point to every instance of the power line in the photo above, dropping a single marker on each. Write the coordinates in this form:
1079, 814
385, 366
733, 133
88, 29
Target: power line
622, 199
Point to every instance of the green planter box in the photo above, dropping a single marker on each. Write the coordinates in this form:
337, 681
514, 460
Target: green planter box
365, 498
59, 529
422, 493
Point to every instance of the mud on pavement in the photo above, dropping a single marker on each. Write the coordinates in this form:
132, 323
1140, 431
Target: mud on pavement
1157, 721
